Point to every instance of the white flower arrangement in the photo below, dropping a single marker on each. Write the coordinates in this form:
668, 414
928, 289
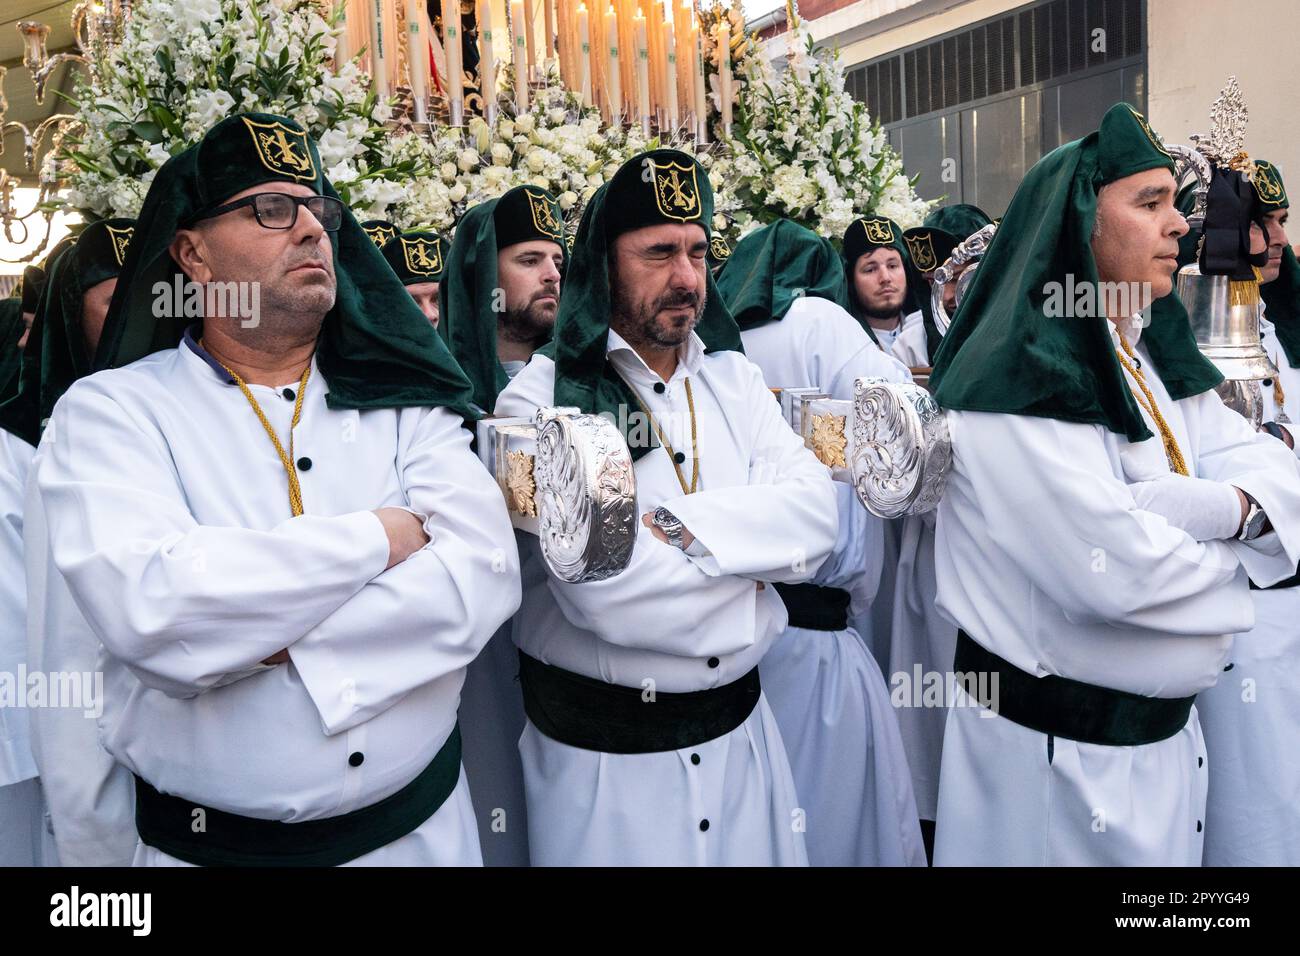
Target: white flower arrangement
557, 144
183, 65
802, 148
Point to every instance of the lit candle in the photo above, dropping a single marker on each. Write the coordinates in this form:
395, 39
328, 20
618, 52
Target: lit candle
520, 55
615, 82
378, 51
416, 61
670, 74
487, 64
724, 73
455, 57
530, 33
642, 72
549, 23
584, 48
342, 49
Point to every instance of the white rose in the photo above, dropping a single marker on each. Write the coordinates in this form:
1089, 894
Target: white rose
467, 160
501, 154
448, 171
456, 193
525, 124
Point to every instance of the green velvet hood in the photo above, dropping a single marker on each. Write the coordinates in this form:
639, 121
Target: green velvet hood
774, 266
467, 321
1003, 353
376, 349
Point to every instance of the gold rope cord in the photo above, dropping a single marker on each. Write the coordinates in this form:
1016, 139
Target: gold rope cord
1175, 454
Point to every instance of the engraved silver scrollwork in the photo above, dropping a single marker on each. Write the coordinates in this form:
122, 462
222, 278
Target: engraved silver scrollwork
969, 250
586, 496
902, 450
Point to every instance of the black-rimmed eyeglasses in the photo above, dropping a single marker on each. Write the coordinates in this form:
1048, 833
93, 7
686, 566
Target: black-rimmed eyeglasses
280, 210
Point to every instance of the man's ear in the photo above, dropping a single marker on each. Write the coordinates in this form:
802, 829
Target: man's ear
187, 251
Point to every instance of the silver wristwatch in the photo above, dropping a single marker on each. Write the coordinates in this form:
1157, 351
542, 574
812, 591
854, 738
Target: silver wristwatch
1253, 526
667, 522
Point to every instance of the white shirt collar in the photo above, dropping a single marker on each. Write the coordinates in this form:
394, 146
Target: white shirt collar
1131, 327
690, 354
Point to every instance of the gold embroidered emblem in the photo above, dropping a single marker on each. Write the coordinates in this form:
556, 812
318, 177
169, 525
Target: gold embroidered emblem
521, 489
719, 249
381, 233
568, 242
121, 238
544, 219
828, 440
677, 191
422, 257
1269, 184
921, 248
282, 150
879, 230
1146, 128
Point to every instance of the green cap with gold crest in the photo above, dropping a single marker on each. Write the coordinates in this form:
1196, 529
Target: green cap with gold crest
1282, 295
417, 256
376, 349
528, 214
380, 231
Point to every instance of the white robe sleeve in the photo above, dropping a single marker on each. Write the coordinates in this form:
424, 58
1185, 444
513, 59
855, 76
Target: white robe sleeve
431, 614
664, 601
1048, 497
89, 795
1233, 452
181, 604
781, 526
16, 762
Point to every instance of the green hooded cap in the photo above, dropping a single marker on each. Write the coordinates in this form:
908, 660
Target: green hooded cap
961, 220
774, 266
380, 231
416, 257
660, 186
877, 232
1282, 295
929, 247
375, 350
1004, 354
56, 354
467, 321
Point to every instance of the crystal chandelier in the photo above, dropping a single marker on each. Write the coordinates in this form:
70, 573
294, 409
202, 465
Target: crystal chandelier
98, 26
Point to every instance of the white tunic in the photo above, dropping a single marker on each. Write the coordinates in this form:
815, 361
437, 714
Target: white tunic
910, 346
168, 517
825, 687
765, 513
1251, 717
920, 642
1044, 558
21, 817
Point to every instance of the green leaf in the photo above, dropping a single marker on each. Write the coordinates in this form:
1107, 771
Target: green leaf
148, 131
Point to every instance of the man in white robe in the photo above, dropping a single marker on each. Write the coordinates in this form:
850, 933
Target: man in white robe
1101, 519
500, 293
785, 287
1252, 715
60, 344
648, 738
275, 520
